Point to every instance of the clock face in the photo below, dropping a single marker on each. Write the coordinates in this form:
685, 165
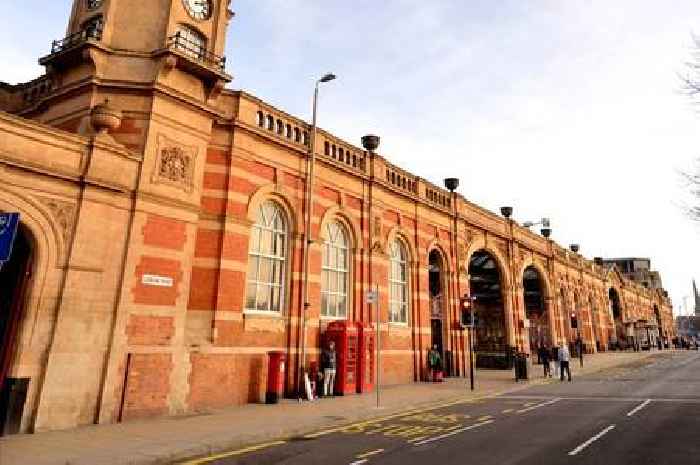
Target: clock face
198, 9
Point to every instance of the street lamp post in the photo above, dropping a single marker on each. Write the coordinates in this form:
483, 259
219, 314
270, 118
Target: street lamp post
310, 162
452, 184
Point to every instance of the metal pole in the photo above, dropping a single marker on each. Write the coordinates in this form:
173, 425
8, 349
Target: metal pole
311, 158
471, 351
376, 288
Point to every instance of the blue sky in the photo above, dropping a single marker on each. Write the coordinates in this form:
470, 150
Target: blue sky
567, 109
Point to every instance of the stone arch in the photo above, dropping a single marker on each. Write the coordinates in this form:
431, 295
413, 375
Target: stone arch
48, 251
481, 244
436, 244
339, 214
546, 282
278, 194
540, 330
397, 232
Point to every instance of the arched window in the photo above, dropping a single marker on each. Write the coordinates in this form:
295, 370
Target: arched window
267, 260
335, 276
190, 41
261, 119
93, 27
270, 123
398, 283
297, 135
288, 132
306, 138
280, 127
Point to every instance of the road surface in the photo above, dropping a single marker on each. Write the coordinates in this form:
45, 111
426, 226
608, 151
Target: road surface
648, 413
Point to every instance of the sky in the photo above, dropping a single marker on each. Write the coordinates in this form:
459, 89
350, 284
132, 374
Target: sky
563, 109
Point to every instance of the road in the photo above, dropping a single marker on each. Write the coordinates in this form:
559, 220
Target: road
648, 413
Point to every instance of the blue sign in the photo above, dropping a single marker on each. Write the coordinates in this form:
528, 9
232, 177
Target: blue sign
8, 230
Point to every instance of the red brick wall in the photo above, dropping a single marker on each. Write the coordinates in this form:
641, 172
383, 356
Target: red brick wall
157, 295
147, 386
164, 232
150, 330
219, 380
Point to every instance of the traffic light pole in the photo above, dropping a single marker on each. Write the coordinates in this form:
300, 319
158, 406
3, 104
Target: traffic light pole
471, 351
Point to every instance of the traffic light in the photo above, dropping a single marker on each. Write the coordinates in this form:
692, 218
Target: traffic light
465, 311
574, 321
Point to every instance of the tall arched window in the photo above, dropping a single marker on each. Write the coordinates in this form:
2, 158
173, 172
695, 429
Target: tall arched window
267, 260
335, 275
191, 41
398, 283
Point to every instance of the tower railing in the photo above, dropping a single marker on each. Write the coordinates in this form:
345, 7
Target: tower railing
76, 39
196, 51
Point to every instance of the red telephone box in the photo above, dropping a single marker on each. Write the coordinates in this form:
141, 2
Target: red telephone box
275, 376
365, 369
344, 335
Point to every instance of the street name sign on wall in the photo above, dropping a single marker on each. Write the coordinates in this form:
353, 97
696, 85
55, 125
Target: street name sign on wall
155, 280
9, 222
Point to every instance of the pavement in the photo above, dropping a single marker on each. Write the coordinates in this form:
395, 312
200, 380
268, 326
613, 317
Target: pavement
341, 429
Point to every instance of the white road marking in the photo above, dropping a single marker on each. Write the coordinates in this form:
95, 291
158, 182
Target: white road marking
452, 433
358, 462
639, 407
592, 440
543, 404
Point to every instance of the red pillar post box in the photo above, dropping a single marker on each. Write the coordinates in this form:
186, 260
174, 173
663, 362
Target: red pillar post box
345, 336
365, 369
275, 376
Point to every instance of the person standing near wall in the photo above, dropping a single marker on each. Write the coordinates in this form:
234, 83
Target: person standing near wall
328, 362
564, 359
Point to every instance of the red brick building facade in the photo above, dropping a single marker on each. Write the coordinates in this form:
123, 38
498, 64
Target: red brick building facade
165, 237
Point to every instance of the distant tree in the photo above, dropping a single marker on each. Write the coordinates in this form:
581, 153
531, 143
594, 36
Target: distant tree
693, 181
690, 85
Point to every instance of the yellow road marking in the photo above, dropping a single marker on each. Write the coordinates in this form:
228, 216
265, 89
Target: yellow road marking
473, 400
508, 410
245, 450
370, 453
484, 418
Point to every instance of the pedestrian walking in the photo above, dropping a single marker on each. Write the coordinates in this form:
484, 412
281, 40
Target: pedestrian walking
435, 364
554, 359
579, 349
328, 362
564, 359
544, 354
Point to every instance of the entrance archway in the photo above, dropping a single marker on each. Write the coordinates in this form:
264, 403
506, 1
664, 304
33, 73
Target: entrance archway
618, 337
14, 282
535, 310
436, 289
490, 335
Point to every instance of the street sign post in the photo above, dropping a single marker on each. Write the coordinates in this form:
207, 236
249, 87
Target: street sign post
9, 222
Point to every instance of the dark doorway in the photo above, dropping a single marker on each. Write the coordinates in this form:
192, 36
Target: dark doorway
14, 282
14, 277
619, 338
490, 338
437, 300
535, 309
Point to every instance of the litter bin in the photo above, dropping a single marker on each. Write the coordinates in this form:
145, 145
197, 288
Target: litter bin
520, 364
12, 398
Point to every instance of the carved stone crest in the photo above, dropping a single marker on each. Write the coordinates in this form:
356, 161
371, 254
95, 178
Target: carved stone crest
175, 164
63, 213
